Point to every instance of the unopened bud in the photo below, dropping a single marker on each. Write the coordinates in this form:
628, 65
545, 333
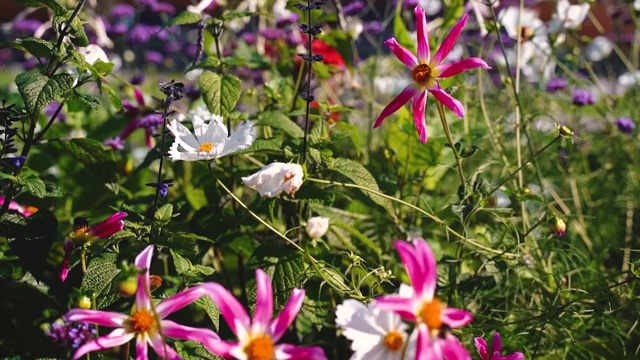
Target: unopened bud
558, 226
317, 227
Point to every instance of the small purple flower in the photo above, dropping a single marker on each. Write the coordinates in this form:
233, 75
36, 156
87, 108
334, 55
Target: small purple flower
27, 26
50, 109
273, 33
116, 143
119, 29
164, 8
30, 63
173, 47
137, 79
71, 334
556, 84
148, 3
153, 57
17, 161
374, 27
583, 97
249, 38
353, 9
163, 190
122, 10
625, 125
142, 33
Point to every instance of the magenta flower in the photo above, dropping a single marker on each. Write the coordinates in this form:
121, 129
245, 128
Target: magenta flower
257, 338
496, 349
425, 71
432, 317
141, 116
147, 327
83, 234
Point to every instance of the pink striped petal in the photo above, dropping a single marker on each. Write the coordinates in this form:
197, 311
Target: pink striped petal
425, 348
291, 352
395, 104
481, 347
496, 344
415, 269
423, 36
115, 338
163, 350
453, 350
450, 41
143, 262
182, 332
264, 300
425, 256
419, 108
447, 70
514, 356
220, 347
232, 311
448, 101
179, 300
456, 318
401, 53
280, 324
400, 305
142, 348
103, 318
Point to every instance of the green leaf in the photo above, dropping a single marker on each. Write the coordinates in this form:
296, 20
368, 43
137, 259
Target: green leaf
79, 102
331, 277
237, 14
38, 90
273, 146
361, 176
195, 196
37, 47
76, 32
113, 96
101, 279
278, 120
34, 185
185, 18
55, 5
103, 68
98, 158
400, 31
353, 133
212, 310
164, 214
220, 93
315, 194
181, 263
191, 350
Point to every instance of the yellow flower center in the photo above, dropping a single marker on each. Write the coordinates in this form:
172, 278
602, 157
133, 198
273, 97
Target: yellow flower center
526, 33
260, 348
421, 73
393, 340
80, 234
205, 147
141, 321
430, 314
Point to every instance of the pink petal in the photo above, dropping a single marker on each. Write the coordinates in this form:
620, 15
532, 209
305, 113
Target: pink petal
448, 101
453, 350
163, 350
229, 307
395, 104
64, 270
514, 356
299, 352
280, 324
401, 53
110, 226
456, 318
415, 269
481, 347
220, 347
182, 332
450, 41
425, 348
143, 262
426, 257
496, 345
103, 318
447, 70
400, 305
178, 301
423, 36
139, 96
419, 108
264, 299
142, 349
116, 338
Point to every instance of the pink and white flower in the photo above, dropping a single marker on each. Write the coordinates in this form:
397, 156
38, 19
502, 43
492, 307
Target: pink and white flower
143, 324
275, 178
257, 338
432, 317
425, 72
496, 349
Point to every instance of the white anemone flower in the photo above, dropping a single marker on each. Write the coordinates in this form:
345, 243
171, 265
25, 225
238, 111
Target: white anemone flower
209, 140
276, 178
529, 26
568, 16
598, 49
317, 226
375, 334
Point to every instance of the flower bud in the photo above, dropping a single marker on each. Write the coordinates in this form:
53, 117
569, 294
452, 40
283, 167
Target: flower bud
155, 282
276, 178
128, 286
83, 302
317, 227
558, 226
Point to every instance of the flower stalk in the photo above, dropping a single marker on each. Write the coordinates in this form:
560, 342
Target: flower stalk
456, 154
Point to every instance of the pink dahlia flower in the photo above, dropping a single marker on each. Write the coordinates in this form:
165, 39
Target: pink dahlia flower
496, 349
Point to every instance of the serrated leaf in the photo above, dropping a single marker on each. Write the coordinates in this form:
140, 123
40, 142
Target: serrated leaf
191, 350
361, 176
37, 47
185, 18
76, 32
211, 309
103, 68
181, 263
272, 146
353, 133
113, 96
220, 93
237, 14
33, 185
100, 279
79, 102
163, 214
278, 120
98, 158
38, 90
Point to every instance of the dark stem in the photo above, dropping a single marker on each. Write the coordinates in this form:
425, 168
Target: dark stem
308, 62
64, 30
160, 149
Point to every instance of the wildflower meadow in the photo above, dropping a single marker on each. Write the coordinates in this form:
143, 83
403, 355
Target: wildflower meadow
319, 179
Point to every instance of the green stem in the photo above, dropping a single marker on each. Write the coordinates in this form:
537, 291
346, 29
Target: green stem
447, 132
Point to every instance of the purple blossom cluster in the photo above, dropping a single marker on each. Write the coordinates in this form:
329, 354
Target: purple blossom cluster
72, 334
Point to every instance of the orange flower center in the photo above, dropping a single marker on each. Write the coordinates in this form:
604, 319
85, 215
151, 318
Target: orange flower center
393, 340
141, 321
421, 73
260, 348
430, 314
205, 147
